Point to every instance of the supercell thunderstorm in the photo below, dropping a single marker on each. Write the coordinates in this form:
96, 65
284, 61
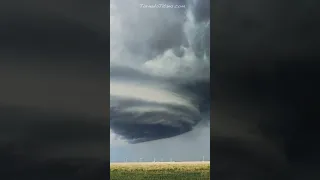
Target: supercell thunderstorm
159, 69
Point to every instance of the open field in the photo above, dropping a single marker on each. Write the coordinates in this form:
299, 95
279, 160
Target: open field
160, 171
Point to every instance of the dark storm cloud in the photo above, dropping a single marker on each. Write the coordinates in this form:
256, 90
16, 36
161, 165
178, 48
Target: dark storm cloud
201, 10
141, 116
143, 27
265, 73
159, 76
53, 95
153, 121
144, 34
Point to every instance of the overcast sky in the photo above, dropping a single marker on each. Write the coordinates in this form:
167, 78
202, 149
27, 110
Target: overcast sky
159, 81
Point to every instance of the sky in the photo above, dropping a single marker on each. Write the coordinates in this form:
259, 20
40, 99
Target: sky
159, 81
54, 60
191, 146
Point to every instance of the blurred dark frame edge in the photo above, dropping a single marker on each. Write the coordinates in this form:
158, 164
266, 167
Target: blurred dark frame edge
293, 69
88, 171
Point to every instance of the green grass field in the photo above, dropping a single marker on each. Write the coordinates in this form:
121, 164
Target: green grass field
160, 171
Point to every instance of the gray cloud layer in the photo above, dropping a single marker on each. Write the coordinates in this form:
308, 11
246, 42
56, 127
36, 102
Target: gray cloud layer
159, 70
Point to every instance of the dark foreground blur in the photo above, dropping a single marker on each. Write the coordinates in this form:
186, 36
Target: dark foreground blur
16, 166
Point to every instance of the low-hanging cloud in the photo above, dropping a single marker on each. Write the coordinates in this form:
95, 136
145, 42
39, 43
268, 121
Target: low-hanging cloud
159, 74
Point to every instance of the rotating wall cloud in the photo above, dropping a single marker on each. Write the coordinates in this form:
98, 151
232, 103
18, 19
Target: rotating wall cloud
159, 69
